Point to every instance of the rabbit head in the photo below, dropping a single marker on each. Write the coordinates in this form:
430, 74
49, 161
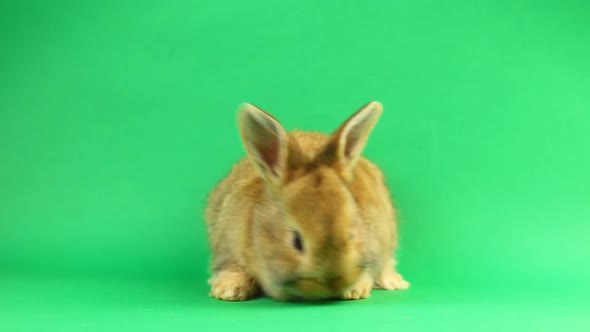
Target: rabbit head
308, 236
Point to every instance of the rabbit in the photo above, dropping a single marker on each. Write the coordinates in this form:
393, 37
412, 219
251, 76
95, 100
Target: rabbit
303, 216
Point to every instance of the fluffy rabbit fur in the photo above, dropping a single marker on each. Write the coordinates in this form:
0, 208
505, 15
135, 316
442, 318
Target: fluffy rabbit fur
304, 216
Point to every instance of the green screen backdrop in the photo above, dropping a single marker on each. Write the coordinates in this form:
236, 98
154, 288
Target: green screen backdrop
117, 118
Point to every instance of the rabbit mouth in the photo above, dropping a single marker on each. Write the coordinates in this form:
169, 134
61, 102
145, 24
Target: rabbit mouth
309, 288
321, 288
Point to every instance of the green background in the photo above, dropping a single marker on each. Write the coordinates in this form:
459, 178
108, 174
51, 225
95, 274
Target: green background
117, 118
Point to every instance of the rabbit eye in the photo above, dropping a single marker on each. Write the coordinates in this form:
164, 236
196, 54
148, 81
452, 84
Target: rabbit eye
297, 243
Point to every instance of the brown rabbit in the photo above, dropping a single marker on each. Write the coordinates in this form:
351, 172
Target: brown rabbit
304, 216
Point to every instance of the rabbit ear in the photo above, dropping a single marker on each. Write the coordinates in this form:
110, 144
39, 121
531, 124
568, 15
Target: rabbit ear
265, 141
350, 139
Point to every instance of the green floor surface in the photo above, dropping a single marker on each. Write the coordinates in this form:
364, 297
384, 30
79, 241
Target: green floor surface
54, 304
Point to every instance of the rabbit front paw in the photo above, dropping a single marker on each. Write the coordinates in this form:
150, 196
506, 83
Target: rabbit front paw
391, 280
232, 286
361, 290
